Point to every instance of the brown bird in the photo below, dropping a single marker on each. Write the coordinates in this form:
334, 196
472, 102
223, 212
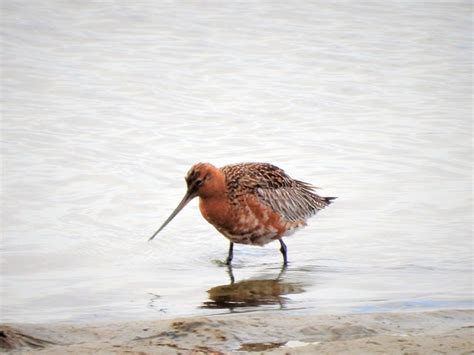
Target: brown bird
250, 203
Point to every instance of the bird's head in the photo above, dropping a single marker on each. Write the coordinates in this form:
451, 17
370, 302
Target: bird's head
203, 180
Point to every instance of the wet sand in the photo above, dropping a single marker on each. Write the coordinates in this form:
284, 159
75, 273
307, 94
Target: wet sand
444, 332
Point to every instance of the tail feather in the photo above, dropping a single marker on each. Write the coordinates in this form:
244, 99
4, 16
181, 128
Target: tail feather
329, 199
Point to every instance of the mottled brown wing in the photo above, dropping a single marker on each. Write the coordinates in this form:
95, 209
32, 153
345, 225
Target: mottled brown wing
293, 203
294, 200
245, 178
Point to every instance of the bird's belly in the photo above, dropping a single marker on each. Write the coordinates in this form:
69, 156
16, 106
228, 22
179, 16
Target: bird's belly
245, 226
259, 236
250, 222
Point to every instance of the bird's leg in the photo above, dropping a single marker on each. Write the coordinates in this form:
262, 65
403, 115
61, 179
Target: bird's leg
283, 252
231, 254
231, 274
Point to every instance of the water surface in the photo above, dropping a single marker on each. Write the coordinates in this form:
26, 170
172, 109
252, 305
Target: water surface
107, 105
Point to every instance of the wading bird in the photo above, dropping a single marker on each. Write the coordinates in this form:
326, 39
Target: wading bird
250, 203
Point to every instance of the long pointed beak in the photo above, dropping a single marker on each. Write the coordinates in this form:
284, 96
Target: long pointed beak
188, 197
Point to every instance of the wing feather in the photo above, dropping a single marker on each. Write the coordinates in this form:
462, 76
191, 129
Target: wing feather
294, 200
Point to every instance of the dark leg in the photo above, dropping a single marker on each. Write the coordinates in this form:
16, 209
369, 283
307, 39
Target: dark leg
231, 274
283, 252
231, 254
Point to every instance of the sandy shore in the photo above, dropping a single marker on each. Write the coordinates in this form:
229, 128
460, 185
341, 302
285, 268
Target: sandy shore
440, 332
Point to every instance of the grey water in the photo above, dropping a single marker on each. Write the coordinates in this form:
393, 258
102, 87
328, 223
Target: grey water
106, 105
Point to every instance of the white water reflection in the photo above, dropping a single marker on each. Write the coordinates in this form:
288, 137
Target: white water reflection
106, 106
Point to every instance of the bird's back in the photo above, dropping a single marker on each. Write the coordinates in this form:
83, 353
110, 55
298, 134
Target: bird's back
294, 200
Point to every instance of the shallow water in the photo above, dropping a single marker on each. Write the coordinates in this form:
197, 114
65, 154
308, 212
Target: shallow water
106, 106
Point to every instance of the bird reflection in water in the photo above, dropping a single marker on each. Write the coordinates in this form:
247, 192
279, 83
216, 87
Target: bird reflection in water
252, 292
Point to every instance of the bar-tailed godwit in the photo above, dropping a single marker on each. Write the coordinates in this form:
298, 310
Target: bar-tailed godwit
250, 203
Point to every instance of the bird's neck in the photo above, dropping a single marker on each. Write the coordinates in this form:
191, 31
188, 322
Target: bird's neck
215, 187
213, 199
215, 209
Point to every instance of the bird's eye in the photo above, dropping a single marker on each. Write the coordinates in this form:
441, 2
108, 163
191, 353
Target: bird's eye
199, 182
